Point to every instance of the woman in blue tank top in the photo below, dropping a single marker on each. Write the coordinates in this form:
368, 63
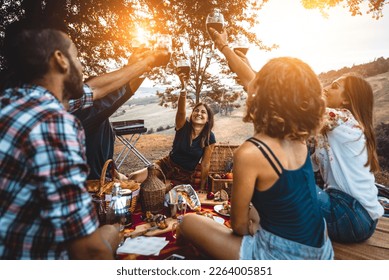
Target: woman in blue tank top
274, 208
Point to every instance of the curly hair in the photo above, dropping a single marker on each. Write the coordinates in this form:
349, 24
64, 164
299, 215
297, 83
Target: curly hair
285, 100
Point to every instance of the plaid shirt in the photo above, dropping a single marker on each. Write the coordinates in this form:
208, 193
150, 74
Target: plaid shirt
43, 200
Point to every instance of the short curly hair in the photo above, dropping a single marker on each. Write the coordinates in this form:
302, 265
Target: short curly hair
285, 100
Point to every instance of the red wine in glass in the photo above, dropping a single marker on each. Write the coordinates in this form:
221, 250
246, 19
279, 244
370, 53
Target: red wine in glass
183, 67
164, 42
183, 70
218, 26
215, 20
242, 49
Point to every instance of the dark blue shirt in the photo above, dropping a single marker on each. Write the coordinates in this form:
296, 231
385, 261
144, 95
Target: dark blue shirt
185, 155
100, 137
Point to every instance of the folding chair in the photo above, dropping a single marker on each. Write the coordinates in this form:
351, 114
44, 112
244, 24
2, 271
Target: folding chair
129, 132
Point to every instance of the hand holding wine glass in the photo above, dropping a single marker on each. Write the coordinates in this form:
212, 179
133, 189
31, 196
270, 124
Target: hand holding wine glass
164, 44
241, 44
183, 68
215, 20
220, 39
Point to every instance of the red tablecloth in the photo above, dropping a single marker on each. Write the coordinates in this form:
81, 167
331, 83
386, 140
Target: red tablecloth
186, 250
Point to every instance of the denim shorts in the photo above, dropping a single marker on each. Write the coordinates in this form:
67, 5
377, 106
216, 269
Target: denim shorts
347, 220
265, 245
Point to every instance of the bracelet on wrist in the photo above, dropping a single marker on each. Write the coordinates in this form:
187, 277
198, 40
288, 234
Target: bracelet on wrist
225, 45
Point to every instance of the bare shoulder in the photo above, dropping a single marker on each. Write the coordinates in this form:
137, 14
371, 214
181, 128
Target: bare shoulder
248, 153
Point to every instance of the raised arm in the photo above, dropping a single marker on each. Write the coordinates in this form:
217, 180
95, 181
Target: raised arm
181, 106
237, 64
106, 83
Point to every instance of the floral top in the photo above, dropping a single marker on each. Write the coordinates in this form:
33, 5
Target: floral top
341, 154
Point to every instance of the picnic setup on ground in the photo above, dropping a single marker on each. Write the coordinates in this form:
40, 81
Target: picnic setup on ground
151, 234
157, 206
300, 186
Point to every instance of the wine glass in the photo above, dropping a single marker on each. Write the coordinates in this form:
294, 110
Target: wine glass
183, 67
141, 44
215, 19
163, 42
241, 44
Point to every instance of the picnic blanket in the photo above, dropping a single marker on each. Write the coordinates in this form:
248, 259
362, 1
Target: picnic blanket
375, 248
187, 250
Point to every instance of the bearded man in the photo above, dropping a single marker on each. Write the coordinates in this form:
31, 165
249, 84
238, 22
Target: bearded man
45, 210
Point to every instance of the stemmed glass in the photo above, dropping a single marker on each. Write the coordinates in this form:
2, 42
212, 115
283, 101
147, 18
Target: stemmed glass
241, 44
182, 66
142, 44
164, 42
215, 19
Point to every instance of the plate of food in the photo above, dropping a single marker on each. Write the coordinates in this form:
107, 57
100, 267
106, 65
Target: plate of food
222, 209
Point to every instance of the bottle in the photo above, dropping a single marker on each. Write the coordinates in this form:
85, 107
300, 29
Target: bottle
118, 211
152, 192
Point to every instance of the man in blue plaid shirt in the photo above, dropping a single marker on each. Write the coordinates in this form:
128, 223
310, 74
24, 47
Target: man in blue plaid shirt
45, 210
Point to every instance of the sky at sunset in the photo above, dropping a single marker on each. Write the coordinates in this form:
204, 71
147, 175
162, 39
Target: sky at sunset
324, 43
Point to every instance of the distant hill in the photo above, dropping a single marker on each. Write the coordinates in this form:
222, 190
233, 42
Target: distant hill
376, 67
380, 84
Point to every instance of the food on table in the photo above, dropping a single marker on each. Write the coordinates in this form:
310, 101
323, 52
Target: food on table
210, 195
226, 208
221, 195
158, 220
206, 214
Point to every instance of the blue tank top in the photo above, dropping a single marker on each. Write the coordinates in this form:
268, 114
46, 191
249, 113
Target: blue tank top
289, 208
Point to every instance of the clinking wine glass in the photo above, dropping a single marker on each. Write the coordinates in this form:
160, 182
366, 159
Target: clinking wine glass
140, 45
164, 42
241, 44
183, 67
215, 19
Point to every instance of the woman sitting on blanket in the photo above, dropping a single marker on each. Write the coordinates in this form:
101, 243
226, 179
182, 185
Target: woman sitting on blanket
272, 171
194, 141
345, 154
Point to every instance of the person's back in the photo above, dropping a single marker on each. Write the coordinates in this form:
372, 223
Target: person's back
288, 208
272, 171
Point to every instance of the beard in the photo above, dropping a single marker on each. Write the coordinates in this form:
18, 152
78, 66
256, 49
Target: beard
73, 85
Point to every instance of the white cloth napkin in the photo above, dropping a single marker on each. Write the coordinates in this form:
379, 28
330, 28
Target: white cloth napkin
143, 245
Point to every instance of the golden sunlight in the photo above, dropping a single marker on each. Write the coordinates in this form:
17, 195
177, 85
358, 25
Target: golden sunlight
325, 43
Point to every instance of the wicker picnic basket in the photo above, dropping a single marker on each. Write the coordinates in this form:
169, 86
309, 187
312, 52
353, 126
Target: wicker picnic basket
153, 190
221, 158
221, 162
100, 188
